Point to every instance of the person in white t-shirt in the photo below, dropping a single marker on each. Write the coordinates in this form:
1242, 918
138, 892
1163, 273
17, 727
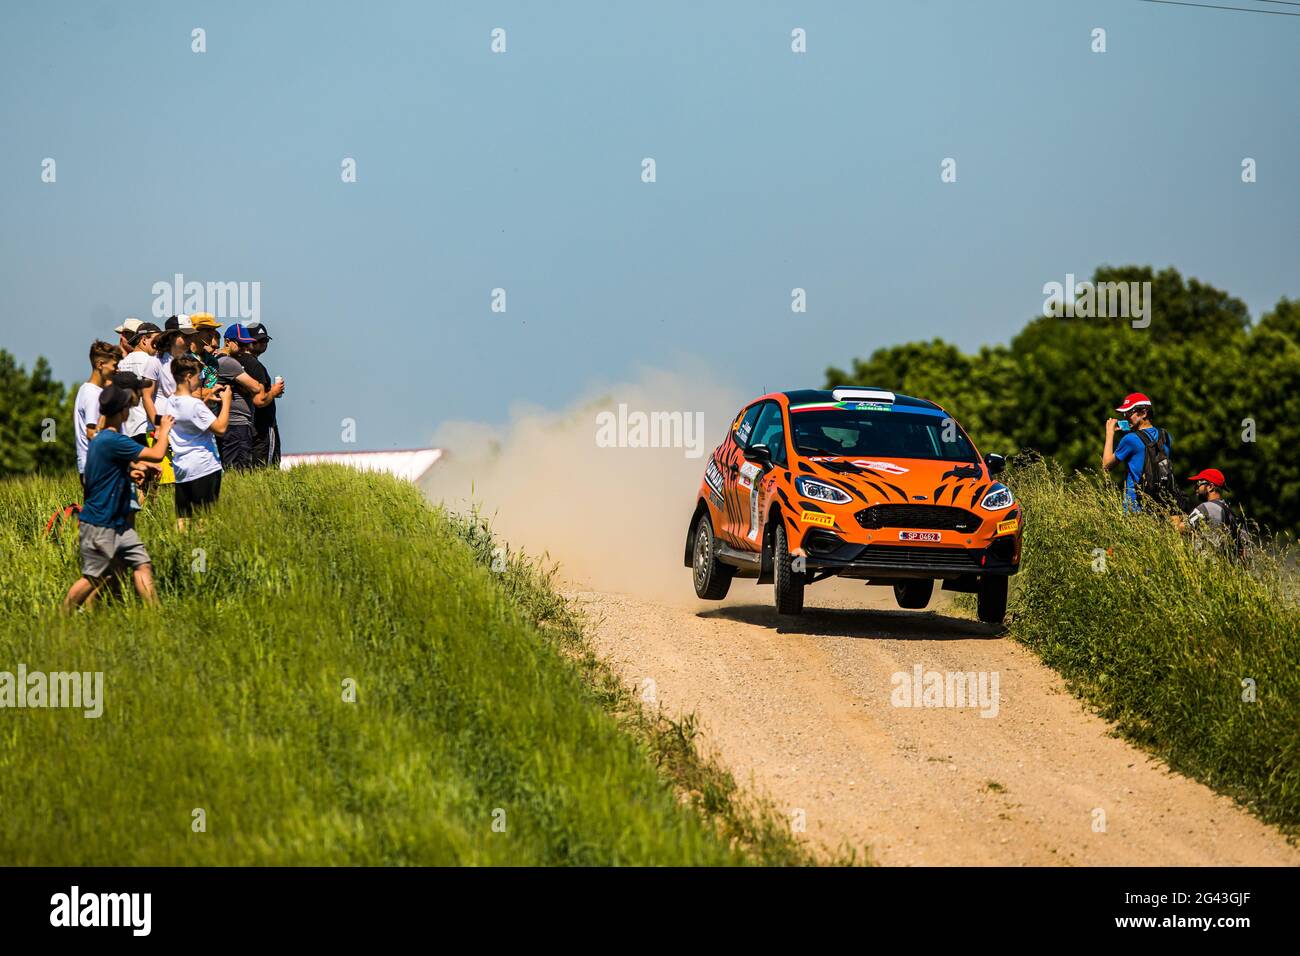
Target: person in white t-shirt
85, 410
194, 440
144, 363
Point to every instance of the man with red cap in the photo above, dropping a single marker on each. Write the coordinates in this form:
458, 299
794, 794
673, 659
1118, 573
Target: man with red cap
1212, 515
1144, 451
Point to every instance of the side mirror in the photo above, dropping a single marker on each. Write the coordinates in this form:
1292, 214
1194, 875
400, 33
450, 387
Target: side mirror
759, 455
997, 464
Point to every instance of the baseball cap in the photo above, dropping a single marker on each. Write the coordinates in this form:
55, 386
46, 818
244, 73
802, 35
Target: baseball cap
1135, 400
129, 326
204, 320
114, 399
239, 333
259, 331
174, 328
179, 323
1212, 475
129, 381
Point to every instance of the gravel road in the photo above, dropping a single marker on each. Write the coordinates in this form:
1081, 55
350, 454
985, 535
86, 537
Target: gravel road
807, 710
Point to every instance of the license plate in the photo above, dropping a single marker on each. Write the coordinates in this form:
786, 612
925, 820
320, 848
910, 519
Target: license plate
919, 536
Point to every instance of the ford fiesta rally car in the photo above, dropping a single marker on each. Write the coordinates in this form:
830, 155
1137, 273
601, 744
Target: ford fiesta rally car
855, 482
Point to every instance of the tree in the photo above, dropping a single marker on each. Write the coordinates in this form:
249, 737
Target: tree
1228, 392
35, 419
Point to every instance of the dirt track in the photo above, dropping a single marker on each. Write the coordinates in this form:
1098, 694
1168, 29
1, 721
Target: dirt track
801, 710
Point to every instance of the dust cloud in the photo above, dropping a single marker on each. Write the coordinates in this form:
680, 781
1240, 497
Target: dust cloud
613, 518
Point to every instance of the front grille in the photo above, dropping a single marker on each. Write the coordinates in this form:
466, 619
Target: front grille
929, 517
911, 556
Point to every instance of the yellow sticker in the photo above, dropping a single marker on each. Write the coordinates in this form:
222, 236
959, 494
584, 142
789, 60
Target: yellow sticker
1005, 526
818, 518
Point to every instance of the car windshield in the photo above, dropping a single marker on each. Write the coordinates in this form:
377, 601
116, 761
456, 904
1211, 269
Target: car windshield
879, 433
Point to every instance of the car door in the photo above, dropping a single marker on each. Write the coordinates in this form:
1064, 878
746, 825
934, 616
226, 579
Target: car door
747, 495
738, 476
755, 485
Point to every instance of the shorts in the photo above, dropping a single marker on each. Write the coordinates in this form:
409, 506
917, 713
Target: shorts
236, 447
198, 494
100, 547
266, 446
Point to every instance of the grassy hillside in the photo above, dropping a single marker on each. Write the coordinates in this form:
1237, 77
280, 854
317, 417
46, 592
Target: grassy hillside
1165, 639
475, 702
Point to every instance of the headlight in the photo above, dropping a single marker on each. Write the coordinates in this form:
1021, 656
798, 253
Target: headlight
816, 490
998, 498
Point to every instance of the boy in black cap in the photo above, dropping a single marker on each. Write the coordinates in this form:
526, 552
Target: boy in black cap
107, 530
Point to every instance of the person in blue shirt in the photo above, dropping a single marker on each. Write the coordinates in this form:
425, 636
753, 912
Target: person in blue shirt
108, 534
1130, 450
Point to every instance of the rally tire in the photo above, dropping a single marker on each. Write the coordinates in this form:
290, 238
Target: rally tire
913, 595
993, 598
712, 579
789, 583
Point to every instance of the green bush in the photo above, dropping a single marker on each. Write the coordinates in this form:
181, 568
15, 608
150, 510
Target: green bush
1165, 638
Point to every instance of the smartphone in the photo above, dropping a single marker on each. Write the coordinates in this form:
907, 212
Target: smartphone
1124, 425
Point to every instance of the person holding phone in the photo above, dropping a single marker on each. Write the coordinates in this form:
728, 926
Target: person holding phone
194, 440
1143, 449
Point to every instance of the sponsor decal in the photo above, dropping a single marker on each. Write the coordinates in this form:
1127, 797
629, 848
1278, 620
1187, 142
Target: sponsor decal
818, 518
1005, 526
717, 500
713, 476
843, 407
888, 467
919, 536
749, 476
746, 427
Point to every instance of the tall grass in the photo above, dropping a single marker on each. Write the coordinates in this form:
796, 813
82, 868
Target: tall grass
1167, 640
472, 740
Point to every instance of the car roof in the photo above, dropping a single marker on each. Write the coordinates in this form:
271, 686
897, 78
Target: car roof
803, 396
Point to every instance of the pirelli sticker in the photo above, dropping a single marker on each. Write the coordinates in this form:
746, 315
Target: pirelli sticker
1005, 526
818, 518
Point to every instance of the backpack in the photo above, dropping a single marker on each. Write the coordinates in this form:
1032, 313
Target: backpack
61, 517
1157, 480
1237, 539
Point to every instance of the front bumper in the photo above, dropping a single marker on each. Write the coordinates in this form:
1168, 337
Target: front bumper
847, 559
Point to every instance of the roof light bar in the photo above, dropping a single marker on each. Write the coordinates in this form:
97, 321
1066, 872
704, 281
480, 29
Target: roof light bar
862, 395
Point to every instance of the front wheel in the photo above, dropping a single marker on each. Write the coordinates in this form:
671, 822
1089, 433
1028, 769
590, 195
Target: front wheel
712, 579
993, 599
789, 582
913, 595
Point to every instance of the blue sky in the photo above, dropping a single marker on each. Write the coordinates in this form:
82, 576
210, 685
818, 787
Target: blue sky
522, 171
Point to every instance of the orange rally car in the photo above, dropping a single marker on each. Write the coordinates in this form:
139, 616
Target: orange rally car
854, 482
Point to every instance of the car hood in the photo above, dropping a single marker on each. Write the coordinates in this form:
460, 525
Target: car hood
898, 480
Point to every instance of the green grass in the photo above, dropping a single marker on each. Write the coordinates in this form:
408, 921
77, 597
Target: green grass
1161, 640
477, 700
